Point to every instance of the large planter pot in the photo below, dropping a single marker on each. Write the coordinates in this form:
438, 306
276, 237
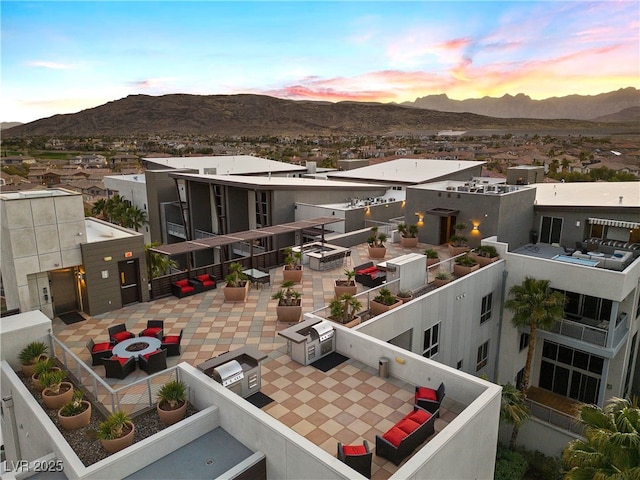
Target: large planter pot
354, 322
169, 417
236, 294
377, 308
76, 421
408, 242
453, 250
36, 383
377, 252
117, 444
484, 261
289, 313
53, 401
440, 282
293, 274
405, 299
27, 369
461, 270
341, 288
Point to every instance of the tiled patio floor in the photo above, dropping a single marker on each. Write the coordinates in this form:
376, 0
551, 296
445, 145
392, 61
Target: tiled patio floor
348, 403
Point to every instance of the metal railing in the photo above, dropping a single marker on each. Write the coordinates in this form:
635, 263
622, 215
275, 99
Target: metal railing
132, 398
581, 331
554, 417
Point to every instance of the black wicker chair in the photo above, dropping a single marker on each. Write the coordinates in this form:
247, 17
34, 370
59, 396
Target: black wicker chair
357, 457
154, 329
172, 344
117, 367
153, 362
429, 399
99, 351
118, 333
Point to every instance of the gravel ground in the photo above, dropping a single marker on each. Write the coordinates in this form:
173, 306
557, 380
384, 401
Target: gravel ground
89, 450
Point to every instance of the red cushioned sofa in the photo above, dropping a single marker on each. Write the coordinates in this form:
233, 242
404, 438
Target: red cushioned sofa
369, 275
406, 435
185, 287
207, 281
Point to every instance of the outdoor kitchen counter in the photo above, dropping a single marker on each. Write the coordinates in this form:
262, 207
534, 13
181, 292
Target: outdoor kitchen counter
246, 356
292, 334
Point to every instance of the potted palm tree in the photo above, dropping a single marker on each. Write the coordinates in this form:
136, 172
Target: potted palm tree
344, 310
237, 287
42, 366
56, 392
29, 356
292, 269
172, 402
116, 432
432, 257
346, 286
289, 307
383, 302
442, 278
458, 242
485, 254
376, 244
464, 265
408, 235
75, 414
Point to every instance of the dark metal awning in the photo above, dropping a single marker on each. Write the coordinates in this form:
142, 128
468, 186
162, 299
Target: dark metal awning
236, 237
442, 212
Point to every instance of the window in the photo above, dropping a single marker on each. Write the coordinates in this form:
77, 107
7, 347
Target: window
431, 341
485, 314
483, 355
550, 229
524, 341
580, 306
597, 231
520, 378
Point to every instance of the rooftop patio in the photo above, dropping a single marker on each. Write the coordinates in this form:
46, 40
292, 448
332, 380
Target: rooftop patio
348, 403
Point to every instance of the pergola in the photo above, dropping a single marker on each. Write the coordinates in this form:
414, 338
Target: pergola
249, 236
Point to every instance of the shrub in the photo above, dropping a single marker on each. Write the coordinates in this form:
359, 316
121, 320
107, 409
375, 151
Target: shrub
510, 464
32, 352
466, 261
541, 466
385, 297
431, 253
173, 393
75, 406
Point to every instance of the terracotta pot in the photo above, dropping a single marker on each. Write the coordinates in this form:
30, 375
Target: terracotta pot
289, 313
295, 275
117, 444
169, 417
377, 252
36, 383
236, 294
353, 323
432, 261
484, 261
377, 308
76, 421
405, 299
453, 251
409, 242
27, 370
53, 401
438, 282
341, 289
461, 270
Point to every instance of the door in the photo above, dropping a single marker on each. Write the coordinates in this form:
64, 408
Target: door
129, 288
446, 229
63, 291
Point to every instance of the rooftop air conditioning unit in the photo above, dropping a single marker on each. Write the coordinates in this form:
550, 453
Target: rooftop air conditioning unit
450, 188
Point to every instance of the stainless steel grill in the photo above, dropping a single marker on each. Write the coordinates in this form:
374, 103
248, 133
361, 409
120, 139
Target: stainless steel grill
228, 374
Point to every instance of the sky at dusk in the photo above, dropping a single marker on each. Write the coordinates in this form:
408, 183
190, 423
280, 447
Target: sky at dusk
63, 57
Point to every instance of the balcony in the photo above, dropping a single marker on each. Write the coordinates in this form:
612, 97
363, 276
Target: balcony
592, 331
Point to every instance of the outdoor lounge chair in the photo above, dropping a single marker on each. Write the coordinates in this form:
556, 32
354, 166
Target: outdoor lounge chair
154, 329
99, 351
172, 344
429, 399
357, 457
153, 362
118, 367
118, 333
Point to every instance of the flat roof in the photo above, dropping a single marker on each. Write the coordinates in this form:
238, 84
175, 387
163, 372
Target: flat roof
588, 194
227, 164
44, 193
99, 231
277, 183
138, 177
409, 171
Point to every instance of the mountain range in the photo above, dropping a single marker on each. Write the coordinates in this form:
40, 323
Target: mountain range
258, 115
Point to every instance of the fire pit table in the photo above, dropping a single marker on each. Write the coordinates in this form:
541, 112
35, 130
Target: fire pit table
135, 347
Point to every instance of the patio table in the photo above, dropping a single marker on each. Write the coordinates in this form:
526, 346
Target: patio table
135, 347
258, 277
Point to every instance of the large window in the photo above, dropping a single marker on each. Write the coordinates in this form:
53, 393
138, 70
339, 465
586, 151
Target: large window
570, 373
550, 229
580, 306
431, 341
524, 341
483, 355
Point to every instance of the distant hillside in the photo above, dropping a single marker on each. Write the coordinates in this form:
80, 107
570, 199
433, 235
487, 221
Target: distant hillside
631, 114
576, 107
255, 115
5, 125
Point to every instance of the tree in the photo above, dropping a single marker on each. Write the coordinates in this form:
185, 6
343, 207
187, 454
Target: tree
513, 410
611, 449
133, 217
158, 264
534, 305
98, 208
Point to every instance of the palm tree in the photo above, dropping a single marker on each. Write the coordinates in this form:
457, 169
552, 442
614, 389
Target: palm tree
98, 208
134, 218
158, 264
534, 305
611, 449
513, 410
